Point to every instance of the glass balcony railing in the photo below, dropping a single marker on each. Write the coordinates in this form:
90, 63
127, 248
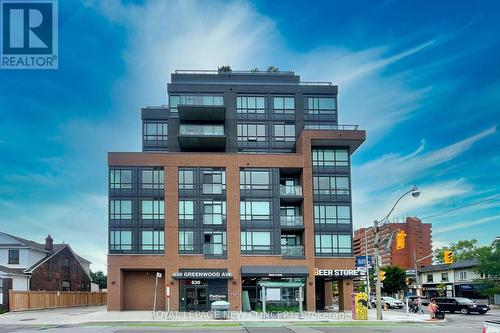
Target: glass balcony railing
214, 249
201, 130
292, 250
290, 191
291, 221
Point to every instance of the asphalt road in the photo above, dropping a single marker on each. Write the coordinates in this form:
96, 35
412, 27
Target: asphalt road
456, 323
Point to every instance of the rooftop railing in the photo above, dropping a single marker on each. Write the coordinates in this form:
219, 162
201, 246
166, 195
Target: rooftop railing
316, 83
214, 71
331, 127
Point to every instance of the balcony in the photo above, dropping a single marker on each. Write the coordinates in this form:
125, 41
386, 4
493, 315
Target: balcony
291, 222
205, 137
291, 193
201, 113
292, 250
214, 250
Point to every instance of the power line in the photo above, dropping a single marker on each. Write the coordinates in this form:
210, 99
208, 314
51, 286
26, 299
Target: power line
461, 207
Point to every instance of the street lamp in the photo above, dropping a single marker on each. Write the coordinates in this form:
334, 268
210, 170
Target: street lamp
378, 294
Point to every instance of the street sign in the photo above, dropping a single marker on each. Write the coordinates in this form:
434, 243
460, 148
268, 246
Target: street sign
410, 272
158, 275
361, 261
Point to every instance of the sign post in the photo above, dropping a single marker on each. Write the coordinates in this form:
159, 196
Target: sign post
168, 298
158, 275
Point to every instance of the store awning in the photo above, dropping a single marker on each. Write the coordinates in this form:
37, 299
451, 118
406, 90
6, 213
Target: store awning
274, 271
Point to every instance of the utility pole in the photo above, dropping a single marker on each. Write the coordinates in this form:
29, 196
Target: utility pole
378, 292
367, 269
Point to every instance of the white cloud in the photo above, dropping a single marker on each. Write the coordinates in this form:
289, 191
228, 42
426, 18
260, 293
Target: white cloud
465, 225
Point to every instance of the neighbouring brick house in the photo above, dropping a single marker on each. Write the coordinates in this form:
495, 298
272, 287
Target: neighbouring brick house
28, 265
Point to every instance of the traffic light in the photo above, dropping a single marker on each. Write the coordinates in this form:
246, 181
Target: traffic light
448, 257
381, 275
400, 240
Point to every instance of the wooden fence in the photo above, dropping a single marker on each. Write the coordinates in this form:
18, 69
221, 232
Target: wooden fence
39, 300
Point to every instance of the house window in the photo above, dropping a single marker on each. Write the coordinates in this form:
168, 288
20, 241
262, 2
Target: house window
214, 181
152, 178
284, 132
255, 241
152, 209
330, 157
284, 105
444, 277
254, 180
255, 210
186, 179
430, 278
462, 275
331, 185
186, 241
66, 263
331, 214
251, 132
250, 104
320, 105
327, 244
186, 210
153, 240
120, 178
120, 240
214, 212
155, 131
120, 209
66, 285
13, 257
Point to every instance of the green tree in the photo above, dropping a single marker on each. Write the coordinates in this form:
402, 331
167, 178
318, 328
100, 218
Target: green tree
99, 278
395, 279
462, 250
489, 266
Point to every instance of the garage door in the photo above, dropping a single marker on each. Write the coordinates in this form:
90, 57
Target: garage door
138, 290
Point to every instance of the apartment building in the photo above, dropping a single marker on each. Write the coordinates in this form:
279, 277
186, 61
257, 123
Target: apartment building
418, 241
243, 183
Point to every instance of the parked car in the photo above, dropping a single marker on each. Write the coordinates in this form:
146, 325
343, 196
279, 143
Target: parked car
390, 302
491, 326
424, 300
460, 304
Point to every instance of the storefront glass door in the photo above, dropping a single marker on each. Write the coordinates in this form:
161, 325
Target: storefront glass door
195, 299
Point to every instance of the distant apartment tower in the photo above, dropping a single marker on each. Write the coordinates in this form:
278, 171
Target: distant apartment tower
243, 182
418, 240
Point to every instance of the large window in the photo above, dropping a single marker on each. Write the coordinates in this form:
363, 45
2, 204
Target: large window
120, 209
251, 132
254, 180
186, 179
13, 257
155, 131
284, 104
186, 241
214, 212
214, 181
332, 244
331, 185
320, 105
120, 178
250, 104
214, 243
153, 240
330, 214
255, 241
152, 209
120, 240
326, 157
255, 210
186, 210
209, 100
284, 132
152, 178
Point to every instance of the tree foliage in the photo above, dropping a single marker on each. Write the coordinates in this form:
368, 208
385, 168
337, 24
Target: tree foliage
489, 266
100, 278
395, 279
463, 250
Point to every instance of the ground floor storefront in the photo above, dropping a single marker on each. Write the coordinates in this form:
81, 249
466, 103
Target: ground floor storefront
326, 285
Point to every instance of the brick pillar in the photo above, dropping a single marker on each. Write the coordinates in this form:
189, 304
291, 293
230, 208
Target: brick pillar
115, 289
345, 291
171, 234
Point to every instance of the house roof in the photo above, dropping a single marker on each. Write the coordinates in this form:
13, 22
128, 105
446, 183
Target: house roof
41, 247
445, 267
8, 270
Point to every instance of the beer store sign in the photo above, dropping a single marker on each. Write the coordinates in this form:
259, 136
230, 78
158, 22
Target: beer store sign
345, 273
202, 274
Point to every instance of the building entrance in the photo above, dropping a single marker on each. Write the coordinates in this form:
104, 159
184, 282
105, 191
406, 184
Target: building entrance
195, 298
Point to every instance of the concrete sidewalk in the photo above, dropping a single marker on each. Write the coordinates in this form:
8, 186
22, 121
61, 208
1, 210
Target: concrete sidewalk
99, 314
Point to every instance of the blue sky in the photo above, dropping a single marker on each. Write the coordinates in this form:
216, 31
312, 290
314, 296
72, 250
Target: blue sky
423, 80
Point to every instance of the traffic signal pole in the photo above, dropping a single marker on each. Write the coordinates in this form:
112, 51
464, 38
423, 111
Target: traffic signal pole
378, 291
